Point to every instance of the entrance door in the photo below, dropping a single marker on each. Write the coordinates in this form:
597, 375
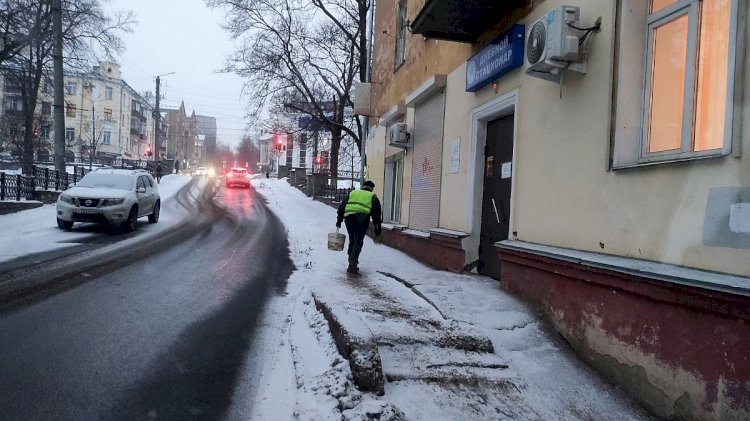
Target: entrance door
498, 158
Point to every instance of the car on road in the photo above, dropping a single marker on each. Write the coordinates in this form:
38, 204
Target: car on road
204, 172
114, 197
238, 177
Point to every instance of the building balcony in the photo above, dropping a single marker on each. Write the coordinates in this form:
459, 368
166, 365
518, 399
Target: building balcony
460, 20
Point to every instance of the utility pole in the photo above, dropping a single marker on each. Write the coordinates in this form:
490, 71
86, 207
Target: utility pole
157, 118
92, 152
59, 98
368, 76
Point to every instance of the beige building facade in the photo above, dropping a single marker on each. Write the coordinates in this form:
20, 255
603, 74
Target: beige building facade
103, 112
630, 166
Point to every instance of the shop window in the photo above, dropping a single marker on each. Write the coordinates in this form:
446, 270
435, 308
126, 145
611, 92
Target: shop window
686, 82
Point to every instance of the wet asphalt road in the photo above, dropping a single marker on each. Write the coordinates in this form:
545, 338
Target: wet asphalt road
163, 338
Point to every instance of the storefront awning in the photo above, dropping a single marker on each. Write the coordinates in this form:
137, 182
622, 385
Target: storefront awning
461, 20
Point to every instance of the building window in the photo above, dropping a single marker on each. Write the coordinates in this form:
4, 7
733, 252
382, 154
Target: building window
71, 88
48, 87
70, 134
687, 85
108, 93
13, 103
401, 25
70, 110
687, 75
108, 114
394, 178
107, 138
46, 108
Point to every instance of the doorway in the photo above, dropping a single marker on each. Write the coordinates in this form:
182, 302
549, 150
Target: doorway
496, 199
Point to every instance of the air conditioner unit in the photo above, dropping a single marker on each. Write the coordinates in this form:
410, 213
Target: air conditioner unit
553, 44
398, 135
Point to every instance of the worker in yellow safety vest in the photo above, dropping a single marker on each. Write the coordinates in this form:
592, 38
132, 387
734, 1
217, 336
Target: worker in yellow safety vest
356, 211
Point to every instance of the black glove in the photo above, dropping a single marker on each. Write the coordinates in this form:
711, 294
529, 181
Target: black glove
338, 224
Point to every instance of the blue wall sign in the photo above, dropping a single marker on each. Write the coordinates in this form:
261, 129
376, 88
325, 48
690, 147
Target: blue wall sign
499, 57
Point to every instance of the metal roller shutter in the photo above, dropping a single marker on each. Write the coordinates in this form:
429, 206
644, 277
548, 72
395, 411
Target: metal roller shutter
424, 206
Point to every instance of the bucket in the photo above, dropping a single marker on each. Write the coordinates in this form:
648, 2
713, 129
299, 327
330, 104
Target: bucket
336, 241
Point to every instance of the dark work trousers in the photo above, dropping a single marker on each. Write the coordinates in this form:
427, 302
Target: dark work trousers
356, 227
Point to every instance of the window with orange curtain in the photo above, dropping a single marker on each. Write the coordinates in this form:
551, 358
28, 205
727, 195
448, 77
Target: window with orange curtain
688, 74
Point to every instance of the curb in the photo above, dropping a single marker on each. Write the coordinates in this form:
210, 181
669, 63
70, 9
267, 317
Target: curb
357, 344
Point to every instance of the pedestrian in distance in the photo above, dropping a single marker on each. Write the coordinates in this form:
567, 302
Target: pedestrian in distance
158, 171
177, 166
356, 211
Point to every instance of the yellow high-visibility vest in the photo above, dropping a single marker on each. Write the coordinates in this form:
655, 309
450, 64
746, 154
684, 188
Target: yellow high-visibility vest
360, 201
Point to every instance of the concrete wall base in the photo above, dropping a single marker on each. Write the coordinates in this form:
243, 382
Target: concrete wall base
683, 351
12, 207
440, 251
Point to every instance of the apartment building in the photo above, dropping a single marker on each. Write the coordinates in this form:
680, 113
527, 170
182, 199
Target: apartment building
103, 114
591, 159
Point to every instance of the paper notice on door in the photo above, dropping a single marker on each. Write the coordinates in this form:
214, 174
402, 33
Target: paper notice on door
505, 170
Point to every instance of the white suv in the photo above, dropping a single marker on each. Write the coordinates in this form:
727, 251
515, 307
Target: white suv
114, 197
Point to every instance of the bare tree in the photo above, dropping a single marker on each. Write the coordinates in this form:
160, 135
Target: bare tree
92, 139
248, 152
224, 155
306, 54
87, 31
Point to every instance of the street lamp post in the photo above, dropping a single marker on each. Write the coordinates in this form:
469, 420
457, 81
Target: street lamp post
157, 117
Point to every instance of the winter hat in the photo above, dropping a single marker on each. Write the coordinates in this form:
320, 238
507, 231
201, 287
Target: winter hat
369, 184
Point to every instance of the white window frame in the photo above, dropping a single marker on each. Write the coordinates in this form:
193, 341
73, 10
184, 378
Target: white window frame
108, 93
70, 133
71, 88
394, 186
630, 143
107, 137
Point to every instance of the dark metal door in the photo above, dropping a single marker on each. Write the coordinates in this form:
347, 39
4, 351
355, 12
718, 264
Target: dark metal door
498, 158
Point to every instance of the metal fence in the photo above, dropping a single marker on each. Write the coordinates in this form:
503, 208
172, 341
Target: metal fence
18, 186
332, 193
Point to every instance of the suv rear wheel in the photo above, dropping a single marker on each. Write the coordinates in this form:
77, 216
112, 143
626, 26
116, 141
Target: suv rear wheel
154, 217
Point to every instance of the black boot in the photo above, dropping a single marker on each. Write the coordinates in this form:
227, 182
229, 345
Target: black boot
352, 269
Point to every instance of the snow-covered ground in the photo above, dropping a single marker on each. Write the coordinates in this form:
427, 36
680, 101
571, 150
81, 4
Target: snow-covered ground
532, 375
35, 230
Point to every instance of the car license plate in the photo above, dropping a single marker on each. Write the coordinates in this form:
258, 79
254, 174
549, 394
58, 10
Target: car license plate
88, 210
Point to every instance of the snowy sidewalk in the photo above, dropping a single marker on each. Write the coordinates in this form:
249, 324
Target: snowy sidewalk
445, 345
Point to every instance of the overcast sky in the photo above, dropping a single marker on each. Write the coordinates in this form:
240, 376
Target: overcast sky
185, 37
